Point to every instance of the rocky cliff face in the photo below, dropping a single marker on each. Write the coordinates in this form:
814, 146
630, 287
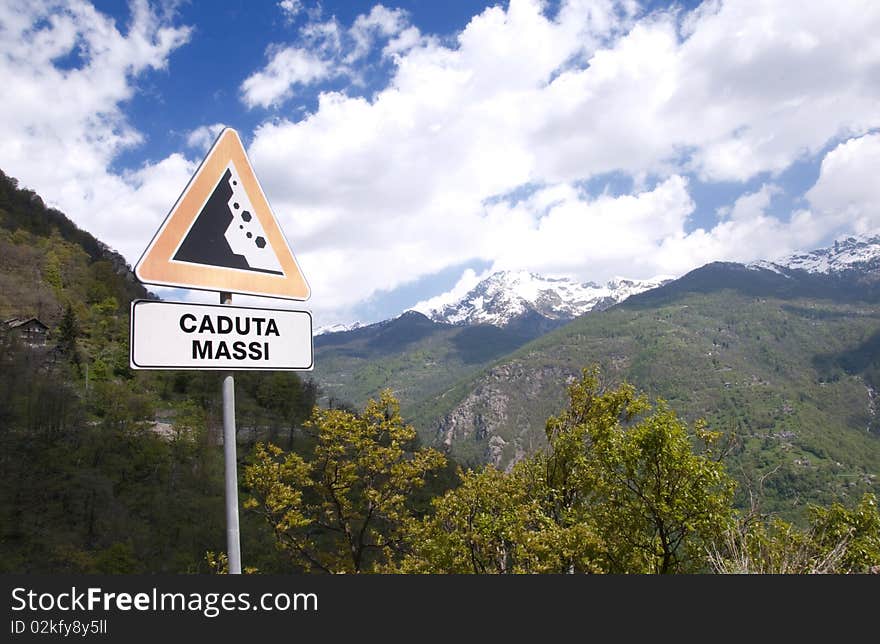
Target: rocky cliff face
493, 424
120, 266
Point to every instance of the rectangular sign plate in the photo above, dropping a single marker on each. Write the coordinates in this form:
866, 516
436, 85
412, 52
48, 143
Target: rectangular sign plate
174, 335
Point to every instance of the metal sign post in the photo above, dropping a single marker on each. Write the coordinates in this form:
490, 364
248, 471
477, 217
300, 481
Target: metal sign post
221, 235
233, 543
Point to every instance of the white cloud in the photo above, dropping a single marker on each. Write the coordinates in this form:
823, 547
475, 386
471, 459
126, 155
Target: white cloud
323, 36
403, 41
468, 280
754, 87
324, 49
287, 68
479, 145
290, 8
754, 204
647, 228
848, 188
62, 127
381, 22
384, 190
641, 234
202, 137
746, 233
560, 231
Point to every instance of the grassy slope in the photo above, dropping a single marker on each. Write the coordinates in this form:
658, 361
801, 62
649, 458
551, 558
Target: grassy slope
415, 358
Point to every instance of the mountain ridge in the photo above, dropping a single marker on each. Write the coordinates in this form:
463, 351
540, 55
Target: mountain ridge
859, 253
504, 296
786, 364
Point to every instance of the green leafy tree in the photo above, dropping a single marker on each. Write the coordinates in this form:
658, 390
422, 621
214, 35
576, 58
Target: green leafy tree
837, 540
622, 488
340, 508
68, 332
52, 271
497, 523
286, 400
634, 470
858, 528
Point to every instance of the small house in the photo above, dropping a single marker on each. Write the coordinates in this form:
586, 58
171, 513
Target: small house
31, 331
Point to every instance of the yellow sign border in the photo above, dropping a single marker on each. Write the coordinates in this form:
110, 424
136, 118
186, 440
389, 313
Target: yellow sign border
157, 267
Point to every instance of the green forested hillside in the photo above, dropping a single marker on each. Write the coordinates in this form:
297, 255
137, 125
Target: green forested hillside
411, 355
46, 262
105, 469
791, 379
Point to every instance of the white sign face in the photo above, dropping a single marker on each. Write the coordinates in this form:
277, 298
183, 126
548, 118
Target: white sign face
172, 335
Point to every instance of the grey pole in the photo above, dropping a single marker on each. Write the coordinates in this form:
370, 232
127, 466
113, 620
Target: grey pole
233, 545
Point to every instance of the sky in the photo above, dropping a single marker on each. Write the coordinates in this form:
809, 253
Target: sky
410, 148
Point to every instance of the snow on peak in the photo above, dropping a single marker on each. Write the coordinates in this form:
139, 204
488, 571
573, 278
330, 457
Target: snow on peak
763, 264
337, 328
861, 253
506, 295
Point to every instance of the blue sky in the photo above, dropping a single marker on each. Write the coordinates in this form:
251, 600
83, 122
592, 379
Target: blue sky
409, 148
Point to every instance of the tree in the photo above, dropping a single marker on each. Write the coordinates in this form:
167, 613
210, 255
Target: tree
340, 507
837, 540
68, 332
633, 471
497, 523
52, 271
286, 400
620, 489
857, 528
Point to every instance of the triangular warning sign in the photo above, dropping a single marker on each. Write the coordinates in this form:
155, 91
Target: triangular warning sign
221, 234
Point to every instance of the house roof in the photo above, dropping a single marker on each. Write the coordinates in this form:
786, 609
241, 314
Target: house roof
15, 323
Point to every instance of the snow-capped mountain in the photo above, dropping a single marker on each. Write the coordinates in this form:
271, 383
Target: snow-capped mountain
509, 295
861, 254
337, 328
512, 296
